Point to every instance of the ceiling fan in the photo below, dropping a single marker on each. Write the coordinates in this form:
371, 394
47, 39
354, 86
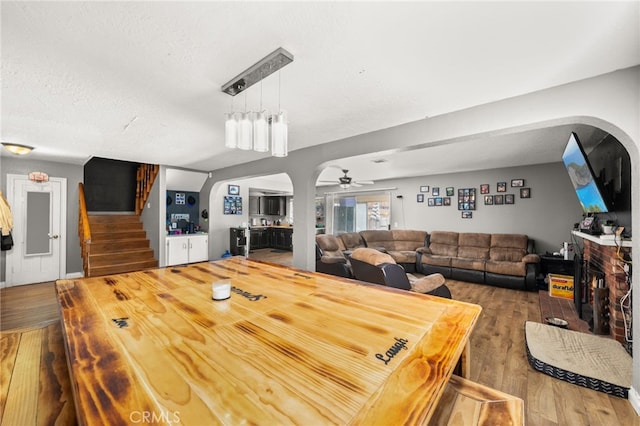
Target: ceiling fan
347, 181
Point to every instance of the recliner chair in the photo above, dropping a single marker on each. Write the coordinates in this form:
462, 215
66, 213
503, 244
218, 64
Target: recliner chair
373, 266
329, 257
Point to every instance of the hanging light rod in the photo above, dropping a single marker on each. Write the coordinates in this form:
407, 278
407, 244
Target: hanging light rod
256, 72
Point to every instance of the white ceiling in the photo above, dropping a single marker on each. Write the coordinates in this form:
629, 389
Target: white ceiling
140, 81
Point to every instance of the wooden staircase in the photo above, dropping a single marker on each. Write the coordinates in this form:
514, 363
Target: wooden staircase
118, 244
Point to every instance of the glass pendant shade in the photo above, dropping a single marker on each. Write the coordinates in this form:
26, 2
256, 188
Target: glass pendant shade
245, 132
260, 132
279, 135
230, 131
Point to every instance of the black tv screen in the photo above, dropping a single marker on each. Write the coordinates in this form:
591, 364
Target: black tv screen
582, 177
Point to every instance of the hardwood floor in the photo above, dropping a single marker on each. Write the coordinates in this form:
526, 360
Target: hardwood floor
498, 355
28, 306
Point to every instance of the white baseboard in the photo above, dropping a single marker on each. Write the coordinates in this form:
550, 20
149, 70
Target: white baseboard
74, 275
3, 284
634, 399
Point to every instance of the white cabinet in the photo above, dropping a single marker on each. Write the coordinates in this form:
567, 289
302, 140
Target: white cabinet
187, 249
198, 248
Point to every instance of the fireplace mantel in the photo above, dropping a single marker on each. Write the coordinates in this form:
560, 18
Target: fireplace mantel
604, 240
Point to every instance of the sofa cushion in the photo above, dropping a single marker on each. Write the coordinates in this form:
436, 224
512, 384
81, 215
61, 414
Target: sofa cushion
444, 243
435, 260
378, 239
408, 256
407, 240
518, 269
508, 247
371, 256
474, 245
473, 264
351, 240
327, 242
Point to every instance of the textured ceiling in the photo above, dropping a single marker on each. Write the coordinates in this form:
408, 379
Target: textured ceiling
140, 81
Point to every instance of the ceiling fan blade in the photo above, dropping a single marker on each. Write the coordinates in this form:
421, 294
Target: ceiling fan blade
356, 184
365, 182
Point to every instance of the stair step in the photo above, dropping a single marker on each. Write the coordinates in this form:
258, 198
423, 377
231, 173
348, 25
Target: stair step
120, 257
101, 227
101, 247
113, 218
117, 235
122, 268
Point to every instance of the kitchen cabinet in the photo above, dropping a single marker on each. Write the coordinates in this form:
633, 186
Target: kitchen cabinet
187, 249
282, 238
259, 239
254, 205
273, 206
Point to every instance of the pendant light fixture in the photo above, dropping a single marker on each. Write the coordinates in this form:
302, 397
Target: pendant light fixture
279, 130
260, 128
254, 130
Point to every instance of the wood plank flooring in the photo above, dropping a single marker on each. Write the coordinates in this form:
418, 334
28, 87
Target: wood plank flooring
498, 355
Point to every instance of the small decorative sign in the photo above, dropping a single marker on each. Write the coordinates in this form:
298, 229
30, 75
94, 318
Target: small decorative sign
250, 296
397, 346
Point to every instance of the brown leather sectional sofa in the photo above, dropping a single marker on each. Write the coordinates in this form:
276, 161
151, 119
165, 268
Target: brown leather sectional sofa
504, 260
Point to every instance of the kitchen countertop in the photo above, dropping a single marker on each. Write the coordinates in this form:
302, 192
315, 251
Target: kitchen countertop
271, 226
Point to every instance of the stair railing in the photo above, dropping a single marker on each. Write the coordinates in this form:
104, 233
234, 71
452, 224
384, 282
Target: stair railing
145, 178
84, 230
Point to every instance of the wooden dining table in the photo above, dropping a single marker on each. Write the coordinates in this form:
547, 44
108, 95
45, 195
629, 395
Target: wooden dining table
288, 346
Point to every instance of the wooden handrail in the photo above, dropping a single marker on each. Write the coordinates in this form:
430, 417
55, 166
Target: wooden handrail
84, 230
146, 176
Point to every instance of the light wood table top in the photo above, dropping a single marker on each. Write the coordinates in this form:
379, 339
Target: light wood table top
288, 347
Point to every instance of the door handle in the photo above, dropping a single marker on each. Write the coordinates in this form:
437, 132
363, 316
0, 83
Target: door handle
54, 237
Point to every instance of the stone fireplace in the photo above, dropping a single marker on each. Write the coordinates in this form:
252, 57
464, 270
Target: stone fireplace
602, 266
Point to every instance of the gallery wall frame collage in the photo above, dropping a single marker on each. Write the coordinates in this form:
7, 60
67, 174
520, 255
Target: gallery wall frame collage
233, 201
468, 197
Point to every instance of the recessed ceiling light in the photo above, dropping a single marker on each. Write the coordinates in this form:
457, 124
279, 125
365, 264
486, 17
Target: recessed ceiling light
379, 160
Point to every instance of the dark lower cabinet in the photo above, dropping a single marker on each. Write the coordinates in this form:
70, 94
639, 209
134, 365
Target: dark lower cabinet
259, 239
277, 238
282, 238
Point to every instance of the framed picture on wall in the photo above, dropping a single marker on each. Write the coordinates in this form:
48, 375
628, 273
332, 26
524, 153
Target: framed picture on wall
488, 200
525, 192
501, 187
498, 199
484, 188
435, 191
467, 215
449, 191
517, 182
431, 202
509, 199
446, 201
424, 188
420, 198
234, 190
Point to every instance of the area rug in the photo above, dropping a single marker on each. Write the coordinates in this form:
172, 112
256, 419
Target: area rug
594, 362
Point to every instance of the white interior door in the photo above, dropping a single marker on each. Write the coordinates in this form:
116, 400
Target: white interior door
39, 228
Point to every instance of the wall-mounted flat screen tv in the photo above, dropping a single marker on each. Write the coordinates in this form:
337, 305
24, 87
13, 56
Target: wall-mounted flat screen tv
582, 177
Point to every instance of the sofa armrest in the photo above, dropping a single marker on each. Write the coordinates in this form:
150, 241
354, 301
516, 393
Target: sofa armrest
531, 258
423, 250
428, 283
